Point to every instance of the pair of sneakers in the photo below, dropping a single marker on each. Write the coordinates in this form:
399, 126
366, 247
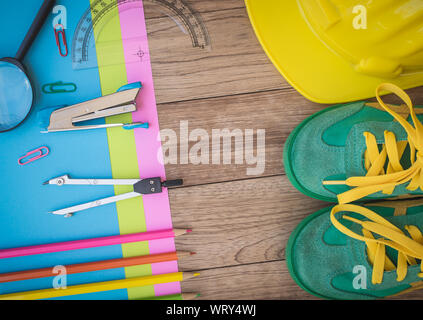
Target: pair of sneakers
367, 158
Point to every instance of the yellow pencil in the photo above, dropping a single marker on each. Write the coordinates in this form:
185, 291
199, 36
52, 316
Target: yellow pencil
100, 286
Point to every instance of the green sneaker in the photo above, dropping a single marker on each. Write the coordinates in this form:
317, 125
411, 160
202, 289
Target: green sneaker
358, 151
353, 252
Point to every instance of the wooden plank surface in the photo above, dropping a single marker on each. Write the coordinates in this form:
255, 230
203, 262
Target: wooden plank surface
276, 112
240, 233
241, 222
269, 281
238, 222
259, 281
234, 63
154, 10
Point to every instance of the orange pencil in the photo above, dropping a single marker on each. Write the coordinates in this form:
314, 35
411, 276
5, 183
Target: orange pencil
95, 266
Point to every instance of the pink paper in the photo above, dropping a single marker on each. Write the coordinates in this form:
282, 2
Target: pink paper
148, 144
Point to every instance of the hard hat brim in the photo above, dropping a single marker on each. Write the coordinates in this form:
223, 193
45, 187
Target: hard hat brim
312, 68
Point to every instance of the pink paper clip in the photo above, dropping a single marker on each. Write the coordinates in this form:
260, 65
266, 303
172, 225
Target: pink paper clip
39, 153
57, 34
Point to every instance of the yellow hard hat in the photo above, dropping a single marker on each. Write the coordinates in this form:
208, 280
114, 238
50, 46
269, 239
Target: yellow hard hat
339, 50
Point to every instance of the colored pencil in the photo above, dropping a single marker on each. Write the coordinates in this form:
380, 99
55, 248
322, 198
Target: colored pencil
100, 286
95, 266
182, 296
90, 243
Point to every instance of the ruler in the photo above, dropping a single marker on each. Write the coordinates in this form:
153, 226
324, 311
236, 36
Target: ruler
83, 48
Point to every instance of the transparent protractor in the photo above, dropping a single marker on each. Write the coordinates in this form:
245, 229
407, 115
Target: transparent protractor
174, 17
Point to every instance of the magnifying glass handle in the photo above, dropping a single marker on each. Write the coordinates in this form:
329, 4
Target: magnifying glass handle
35, 28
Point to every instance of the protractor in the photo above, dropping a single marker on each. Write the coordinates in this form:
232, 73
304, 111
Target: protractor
101, 11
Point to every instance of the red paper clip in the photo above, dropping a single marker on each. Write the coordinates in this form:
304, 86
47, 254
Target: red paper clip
57, 34
42, 152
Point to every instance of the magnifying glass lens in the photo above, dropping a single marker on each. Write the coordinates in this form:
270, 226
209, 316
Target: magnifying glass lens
15, 95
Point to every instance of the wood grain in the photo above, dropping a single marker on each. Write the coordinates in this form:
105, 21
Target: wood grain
276, 112
267, 281
234, 63
203, 6
153, 10
240, 233
259, 281
238, 222
241, 222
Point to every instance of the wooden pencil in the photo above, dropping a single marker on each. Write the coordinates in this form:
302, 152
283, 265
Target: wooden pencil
181, 296
95, 266
190, 296
100, 286
91, 243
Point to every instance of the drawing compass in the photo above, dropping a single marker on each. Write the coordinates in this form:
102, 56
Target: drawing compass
141, 187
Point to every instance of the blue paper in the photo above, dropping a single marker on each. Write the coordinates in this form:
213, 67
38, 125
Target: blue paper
24, 201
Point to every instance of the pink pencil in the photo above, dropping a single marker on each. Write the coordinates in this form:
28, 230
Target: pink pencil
90, 243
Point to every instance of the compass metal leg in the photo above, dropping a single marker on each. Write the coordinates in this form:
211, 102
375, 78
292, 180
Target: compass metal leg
68, 212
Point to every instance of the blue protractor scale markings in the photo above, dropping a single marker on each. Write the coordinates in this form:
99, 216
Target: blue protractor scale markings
83, 52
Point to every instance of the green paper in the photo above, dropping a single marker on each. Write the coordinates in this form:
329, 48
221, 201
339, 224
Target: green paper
122, 148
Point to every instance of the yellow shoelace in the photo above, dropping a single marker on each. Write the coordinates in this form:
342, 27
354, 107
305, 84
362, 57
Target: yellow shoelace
376, 178
409, 249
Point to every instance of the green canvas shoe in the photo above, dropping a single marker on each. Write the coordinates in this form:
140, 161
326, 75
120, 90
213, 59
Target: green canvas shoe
358, 151
353, 252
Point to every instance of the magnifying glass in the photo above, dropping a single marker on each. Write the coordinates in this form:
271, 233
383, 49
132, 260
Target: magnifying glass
16, 91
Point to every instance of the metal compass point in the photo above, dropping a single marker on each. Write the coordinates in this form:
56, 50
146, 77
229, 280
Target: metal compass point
141, 187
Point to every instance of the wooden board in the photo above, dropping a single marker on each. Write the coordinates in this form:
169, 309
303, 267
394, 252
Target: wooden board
234, 63
240, 233
259, 281
241, 222
270, 281
276, 112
